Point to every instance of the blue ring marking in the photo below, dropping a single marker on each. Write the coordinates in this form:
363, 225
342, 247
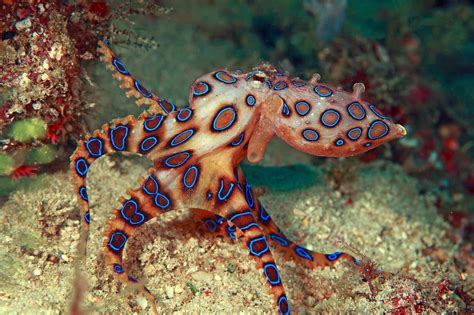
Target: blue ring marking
227, 194
372, 125
327, 112
274, 267
210, 224
248, 226
310, 134
147, 147
218, 74
263, 251
298, 83
188, 113
339, 142
219, 219
151, 193
124, 139
368, 144
235, 216
300, 111
263, 214
250, 75
194, 179
118, 268
120, 67
166, 205
173, 107
201, 93
282, 241
280, 86
168, 164
107, 42
142, 90
268, 83
209, 195
349, 110
223, 110
283, 299
250, 100
121, 245
303, 252
89, 149
374, 110
333, 256
82, 162
135, 211
238, 141
321, 94
358, 129
83, 193
230, 231
147, 128
249, 196
87, 217
286, 110
189, 133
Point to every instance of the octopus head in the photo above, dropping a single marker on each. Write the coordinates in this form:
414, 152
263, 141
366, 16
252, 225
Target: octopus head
326, 121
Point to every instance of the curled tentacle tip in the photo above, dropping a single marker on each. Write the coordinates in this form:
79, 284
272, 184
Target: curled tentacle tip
358, 89
402, 130
315, 78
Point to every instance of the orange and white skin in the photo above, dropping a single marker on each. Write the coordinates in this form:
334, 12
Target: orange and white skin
196, 152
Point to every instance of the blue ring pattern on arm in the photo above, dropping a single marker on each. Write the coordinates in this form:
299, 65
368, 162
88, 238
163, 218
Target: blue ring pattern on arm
142, 90
333, 256
193, 179
282, 241
173, 107
120, 247
280, 86
87, 217
223, 197
329, 111
218, 75
368, 144
249, 196
272, 266
82, 167
372, 125
155, 183
99, 151
180, 163
120, 147
352, 130
158, 117
159, 204
282, 299
250, 100
322, 91
302, 108
148, 143
188, 133
238, 141
376, 112
83, 193
256, 240
230, 231
303, 252
350, 108
141, 216
120, 67
184, 114
263, 214
286, 110
310, 135
118, 268
206, 86
228, 125
339, 142
268, 83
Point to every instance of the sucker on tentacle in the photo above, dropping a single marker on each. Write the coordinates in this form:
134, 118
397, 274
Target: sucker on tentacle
196, 152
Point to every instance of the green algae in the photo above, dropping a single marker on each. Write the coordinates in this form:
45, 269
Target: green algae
7, 164
28, 129
43, 154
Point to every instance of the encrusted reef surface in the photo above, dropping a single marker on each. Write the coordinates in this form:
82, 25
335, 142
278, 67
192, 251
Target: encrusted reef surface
375, 208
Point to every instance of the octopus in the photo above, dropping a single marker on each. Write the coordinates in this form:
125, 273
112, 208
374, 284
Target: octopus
196, 153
